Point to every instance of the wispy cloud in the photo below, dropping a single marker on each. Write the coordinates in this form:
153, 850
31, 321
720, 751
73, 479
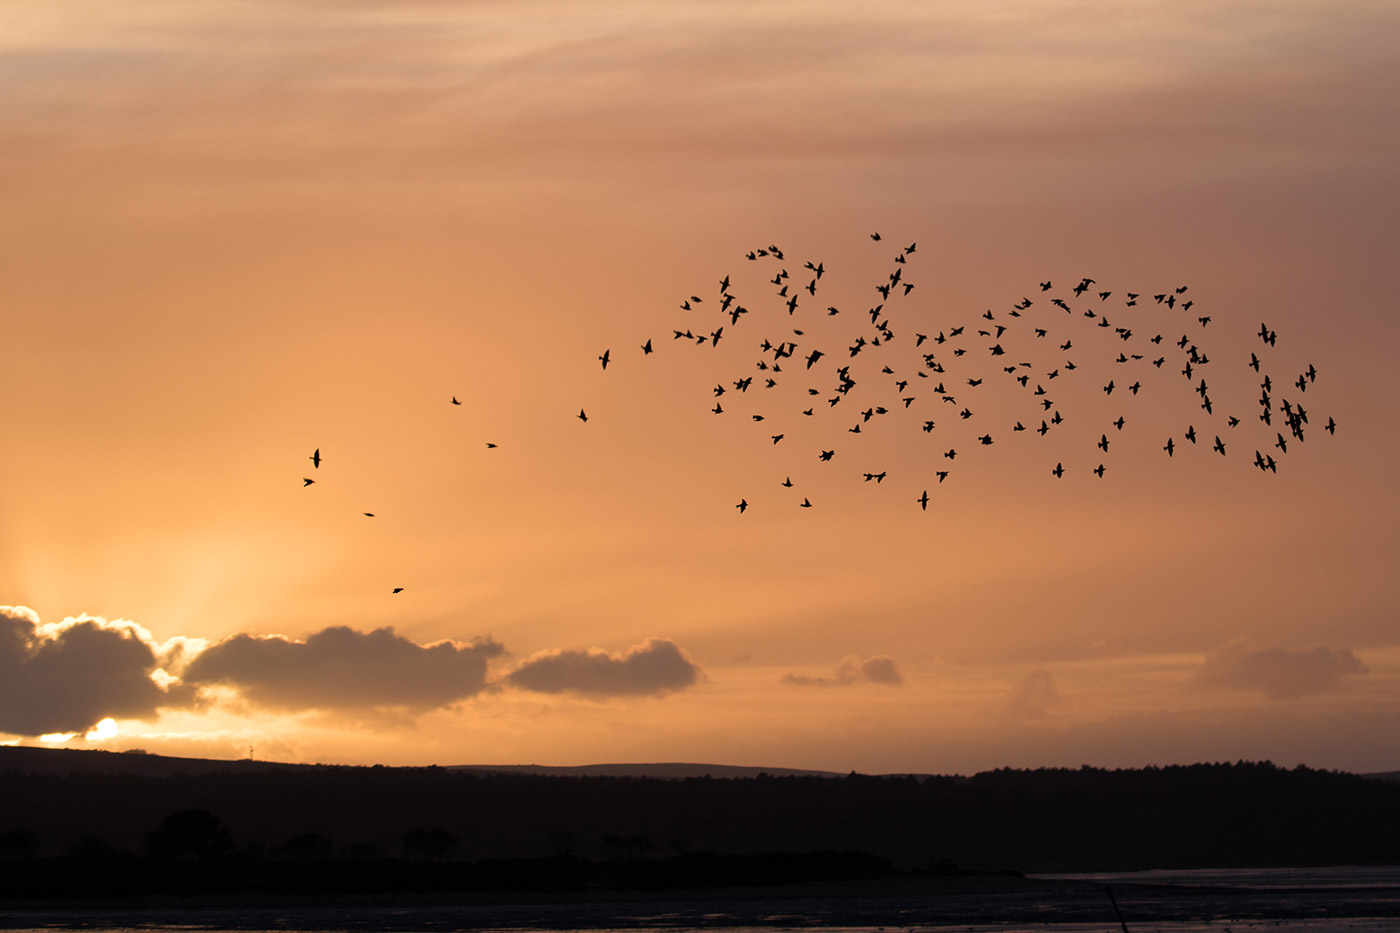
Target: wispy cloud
1279, 673
1034, 695
878, 669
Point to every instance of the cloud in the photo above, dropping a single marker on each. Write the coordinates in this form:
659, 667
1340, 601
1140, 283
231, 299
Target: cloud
339, 668
878, 669
655, 667
1033, 695
1278, 673
67, 676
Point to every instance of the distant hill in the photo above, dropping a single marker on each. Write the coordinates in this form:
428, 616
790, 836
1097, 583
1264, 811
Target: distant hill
60, 761
666, 770
1383, 775
63, 761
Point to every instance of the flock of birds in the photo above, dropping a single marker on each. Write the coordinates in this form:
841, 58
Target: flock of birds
895, 368
832, 377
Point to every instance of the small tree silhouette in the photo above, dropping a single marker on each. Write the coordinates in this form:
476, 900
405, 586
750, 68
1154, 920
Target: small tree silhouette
436, 844
308, 847
189, 835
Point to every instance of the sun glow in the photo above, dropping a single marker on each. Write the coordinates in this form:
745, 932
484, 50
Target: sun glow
104, 730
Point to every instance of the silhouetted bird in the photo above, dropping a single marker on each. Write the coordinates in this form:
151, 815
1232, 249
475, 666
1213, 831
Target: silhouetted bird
315, 459
306, 482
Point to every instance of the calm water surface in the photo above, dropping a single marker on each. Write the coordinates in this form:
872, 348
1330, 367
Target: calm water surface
1313, 900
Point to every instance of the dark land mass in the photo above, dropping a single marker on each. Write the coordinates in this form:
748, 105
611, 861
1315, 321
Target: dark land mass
88, 827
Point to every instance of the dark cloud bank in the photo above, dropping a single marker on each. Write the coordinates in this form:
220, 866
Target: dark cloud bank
340, 668
655, 667
69, 676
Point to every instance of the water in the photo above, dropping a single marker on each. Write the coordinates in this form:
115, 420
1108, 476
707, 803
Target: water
1332, 876
1311, 900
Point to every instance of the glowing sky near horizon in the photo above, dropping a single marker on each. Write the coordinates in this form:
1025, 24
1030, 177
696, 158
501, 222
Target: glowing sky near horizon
238, 232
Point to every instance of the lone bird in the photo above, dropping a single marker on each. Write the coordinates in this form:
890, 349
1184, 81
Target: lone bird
398, 589
315, 458
454, 400
306, 482
583, 416
743, 504
607, 354
923, 501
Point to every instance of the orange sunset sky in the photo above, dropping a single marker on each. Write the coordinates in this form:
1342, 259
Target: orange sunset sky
235, 233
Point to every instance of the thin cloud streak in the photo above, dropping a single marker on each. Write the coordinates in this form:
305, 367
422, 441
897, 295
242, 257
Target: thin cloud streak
877, 669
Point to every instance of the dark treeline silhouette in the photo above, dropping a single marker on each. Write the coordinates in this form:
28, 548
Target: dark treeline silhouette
338, 828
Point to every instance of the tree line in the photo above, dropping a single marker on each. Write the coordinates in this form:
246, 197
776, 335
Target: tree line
400, 824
